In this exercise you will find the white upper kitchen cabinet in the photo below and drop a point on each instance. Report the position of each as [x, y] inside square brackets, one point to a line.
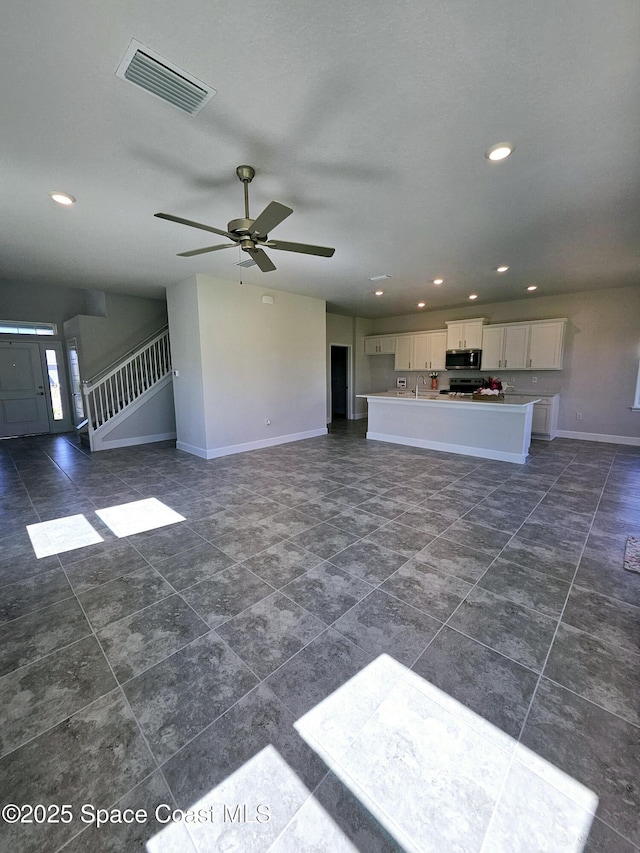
[537, 345]
[505, 346]
[404, 353]
[465, 334]
[380, 345]
[429, 350]
[546, 345]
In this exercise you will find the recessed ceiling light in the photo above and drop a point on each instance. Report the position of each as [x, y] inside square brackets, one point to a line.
[532, 287]
[379, 292]
[502, 269]
[378, 277]
[421, 304]
[438, 280]
[62, 198]
[473, 296]
[500, 151]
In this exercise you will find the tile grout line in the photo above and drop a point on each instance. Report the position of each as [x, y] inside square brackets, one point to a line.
[360, 539]
[535, 691]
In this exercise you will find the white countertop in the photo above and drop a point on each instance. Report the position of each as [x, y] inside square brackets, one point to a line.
[514, 400]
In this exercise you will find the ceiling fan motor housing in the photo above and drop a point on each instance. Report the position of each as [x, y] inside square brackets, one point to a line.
[241, 227]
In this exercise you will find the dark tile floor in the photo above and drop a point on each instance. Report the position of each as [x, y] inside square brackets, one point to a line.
[345, 646]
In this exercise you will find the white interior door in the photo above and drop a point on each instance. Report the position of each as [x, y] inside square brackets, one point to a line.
[23, 404]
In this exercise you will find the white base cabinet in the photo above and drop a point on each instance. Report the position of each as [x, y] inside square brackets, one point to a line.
[545, 417]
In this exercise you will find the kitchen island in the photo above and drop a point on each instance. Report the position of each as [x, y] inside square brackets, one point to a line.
[490, 430]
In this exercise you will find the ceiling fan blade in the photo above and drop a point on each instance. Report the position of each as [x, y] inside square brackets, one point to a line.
[208, 249]
[192, 224]
[305, 248]
[263, 260]
[273, 214]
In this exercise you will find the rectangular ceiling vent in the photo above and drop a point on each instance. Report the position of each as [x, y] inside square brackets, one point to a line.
[145, 68]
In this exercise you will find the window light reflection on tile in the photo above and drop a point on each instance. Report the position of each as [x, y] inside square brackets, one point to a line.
[62, 534]
[389, 730]
[138, 516]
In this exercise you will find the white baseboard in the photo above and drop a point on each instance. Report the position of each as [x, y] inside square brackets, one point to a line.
[594, 436]
[479, 453]
[192, 449]
[131, 442]
[229, 450]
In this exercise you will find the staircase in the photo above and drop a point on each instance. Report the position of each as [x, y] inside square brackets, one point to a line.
[125, 389]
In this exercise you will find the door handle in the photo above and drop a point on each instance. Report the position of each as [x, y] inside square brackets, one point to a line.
[40, 393]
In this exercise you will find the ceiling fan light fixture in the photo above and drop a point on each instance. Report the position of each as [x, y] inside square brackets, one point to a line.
[532, 287]
[64, 199]
[379, 292]
[473, 296]
[438, 281]
[503, 268]
[499, 151]
[421, 304]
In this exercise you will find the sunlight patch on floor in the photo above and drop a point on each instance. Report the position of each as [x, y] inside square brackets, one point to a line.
[138, 516]
[408, 761]
[62, 534]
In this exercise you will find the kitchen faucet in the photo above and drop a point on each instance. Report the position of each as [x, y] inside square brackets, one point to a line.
[418, 382]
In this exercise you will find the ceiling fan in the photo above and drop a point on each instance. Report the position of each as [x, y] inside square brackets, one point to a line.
[251, 234]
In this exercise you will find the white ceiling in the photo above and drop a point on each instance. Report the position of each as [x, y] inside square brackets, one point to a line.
[370, 119]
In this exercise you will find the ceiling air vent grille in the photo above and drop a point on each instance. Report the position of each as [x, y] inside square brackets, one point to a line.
[145, 68]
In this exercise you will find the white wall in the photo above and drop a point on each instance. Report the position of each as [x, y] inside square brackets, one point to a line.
[602, 349]
[250, 361]
[153, 420]
[39, 302]
[186, 356]
[103, 340]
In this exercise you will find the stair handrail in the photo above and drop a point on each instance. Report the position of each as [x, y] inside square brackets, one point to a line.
[89, 385]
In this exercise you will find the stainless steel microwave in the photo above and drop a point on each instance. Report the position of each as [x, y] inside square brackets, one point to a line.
[463, 359]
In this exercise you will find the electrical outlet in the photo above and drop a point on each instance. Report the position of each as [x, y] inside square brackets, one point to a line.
[534, 379]
[267, 421]
[578, 416]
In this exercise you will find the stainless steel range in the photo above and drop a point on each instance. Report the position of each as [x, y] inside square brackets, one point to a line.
[463, 387]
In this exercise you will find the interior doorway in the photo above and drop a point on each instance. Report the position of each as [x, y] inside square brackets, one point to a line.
[340, 370]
